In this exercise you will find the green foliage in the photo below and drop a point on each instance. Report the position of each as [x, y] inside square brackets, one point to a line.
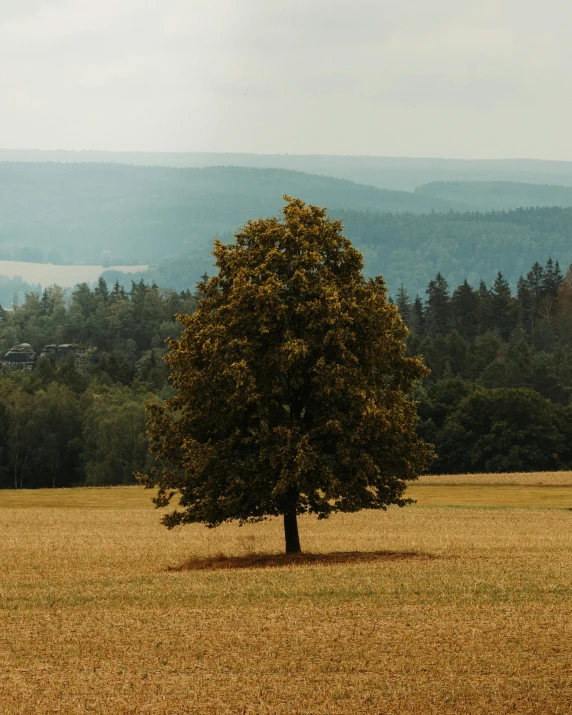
[112, 321]
[503, 430]
[410, 249]
[53, 436]
[515, 351]
[42, 436]
[473, 337]
[5, 472]
[438, 307]
[80, 418]
[115, 441]
[291, 383]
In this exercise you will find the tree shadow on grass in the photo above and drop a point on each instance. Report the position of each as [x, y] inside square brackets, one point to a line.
[261, 561]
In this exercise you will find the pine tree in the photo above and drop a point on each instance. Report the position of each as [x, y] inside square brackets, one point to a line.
[404, 305]
[535, 281]
[552, 279]
[417, 326]
[101, 290]
[523, 304]
[438, 307]
[551, 284]
[503, 309]
[118, 292]
[464, 308]
[484, 309]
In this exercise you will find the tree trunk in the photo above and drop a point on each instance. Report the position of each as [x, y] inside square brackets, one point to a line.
[291, 533]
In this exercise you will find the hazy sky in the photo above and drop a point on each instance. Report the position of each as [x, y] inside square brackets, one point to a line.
[455, 78]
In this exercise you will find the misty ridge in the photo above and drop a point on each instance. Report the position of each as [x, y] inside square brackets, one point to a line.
[111, 214]
[384, 172]
[89, 212]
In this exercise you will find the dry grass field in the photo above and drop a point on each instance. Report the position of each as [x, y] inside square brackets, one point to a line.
[557, 479]
[468, 611]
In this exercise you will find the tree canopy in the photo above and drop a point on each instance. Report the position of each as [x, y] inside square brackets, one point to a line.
[292, 384]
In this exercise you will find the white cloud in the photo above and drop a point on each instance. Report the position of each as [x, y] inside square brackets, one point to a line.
[449, 77]
[52, 23]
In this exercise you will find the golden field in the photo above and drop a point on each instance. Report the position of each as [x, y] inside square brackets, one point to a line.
[470, 610]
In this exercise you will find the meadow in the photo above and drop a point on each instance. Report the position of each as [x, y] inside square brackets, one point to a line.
[47, 274]
[466, 607]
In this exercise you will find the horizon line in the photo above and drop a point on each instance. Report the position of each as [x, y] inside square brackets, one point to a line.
[155, 152]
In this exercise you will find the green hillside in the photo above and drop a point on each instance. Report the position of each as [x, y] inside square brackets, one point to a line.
[412, 249]
[92, 212]
[497, 195]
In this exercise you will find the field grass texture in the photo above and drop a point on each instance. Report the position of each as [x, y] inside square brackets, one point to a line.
[466, 609]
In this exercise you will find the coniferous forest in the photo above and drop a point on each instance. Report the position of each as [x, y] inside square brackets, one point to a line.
[497, 398]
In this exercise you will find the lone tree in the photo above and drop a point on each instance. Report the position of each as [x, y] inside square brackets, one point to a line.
[292, 385]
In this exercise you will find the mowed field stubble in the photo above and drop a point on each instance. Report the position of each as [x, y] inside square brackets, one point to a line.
[468, 610]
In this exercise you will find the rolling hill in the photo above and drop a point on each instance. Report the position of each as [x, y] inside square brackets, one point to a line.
[122, 214]
[89, 213]
[497, 195]
[411, 249]
[397, 173]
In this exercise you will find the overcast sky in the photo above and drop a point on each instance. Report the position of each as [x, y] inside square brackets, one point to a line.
[451, 78]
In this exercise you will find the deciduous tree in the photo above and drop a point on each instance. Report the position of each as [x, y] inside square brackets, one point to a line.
[292, 385]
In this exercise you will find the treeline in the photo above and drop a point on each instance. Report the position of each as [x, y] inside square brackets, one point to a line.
[126, 329]
[62, 433]
[81, 420]
[498, 397]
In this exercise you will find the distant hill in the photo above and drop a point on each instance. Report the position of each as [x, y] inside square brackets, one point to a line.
[497, 195]
[411, 249]
[398, 173]
[120, 214]
[89, 213]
